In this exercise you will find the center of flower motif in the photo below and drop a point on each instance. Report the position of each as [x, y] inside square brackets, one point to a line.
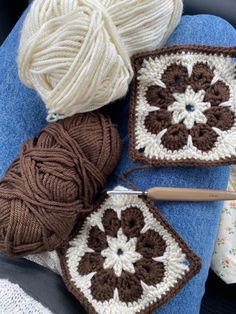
[121, 254]
[189, 107]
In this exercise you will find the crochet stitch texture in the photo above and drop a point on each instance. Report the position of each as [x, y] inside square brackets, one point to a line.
[183, 106]
[126, 258]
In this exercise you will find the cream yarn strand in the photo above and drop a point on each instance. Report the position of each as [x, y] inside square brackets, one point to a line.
[76, 53]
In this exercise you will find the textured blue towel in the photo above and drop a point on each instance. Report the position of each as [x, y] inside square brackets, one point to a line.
[22, 114]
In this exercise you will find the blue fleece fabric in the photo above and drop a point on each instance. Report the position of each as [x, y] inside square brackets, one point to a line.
[22, 114]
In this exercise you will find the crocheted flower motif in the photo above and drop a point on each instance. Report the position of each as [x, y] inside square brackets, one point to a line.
[197, 107]
[123, 257]
[183, 107]
[126, 258]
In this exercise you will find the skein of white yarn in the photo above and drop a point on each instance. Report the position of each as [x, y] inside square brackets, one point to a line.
[76, 53]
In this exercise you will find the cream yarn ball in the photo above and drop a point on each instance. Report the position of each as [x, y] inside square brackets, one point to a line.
[76, 53]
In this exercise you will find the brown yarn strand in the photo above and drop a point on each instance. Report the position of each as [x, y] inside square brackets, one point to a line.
[53, 182]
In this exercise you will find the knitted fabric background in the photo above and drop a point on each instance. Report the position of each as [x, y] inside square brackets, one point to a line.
[15, 301]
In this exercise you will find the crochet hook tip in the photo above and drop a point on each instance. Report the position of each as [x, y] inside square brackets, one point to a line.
[128, 192]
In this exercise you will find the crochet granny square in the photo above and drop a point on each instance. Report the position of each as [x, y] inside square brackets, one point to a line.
[183, 106]
[126, 258]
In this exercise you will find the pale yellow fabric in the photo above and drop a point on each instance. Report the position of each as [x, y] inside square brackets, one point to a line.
[224, 256]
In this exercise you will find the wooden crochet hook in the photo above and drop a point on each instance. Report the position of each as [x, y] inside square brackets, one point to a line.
[180, 194]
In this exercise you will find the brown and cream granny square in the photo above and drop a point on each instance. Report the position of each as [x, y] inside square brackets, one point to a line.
[126, 258]
[183, 106]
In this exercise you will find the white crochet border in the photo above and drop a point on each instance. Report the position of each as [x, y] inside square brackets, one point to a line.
[150, 74]
[174, 259]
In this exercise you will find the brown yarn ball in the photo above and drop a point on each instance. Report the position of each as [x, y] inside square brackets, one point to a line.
[54, 181]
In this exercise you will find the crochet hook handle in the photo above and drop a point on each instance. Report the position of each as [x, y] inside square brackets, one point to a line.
[182, 194]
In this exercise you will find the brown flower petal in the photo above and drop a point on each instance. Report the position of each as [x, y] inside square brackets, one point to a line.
[203, 137]
[132, 221]
[176, 78]
[176, 137]
[157, 121]
[129, 287]
[111, 222]
[89, 263]
[151, 244]
[201, 76]
[149, 271]
[159, 96]
[97, 240]
[103, 284]
[220, 117]
[217, 93]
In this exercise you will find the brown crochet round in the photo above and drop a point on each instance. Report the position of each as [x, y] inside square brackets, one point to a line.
[54, 180]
